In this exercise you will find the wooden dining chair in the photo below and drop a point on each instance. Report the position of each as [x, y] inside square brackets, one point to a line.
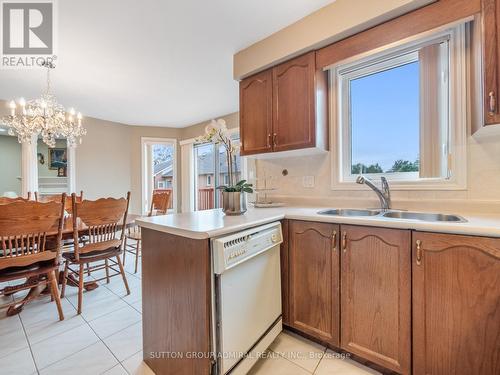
[57, 197]
[30, 245]
[160, 202]
[103, 219]
[6, 200]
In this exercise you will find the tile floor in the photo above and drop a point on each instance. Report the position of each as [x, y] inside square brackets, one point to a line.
[107, 339]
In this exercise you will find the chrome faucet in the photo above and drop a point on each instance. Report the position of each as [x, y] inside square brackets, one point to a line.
[384, 195]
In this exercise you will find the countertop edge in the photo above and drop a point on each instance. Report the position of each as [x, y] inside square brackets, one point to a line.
[475, 226]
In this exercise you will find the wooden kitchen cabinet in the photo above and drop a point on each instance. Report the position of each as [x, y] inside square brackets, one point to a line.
[314, 279]
[376, 295]
[456, 304]
[491, 60]
[294, 98]
[256, 128]
[284, 108]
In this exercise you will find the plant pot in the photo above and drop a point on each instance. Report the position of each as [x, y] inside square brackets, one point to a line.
[234, 203]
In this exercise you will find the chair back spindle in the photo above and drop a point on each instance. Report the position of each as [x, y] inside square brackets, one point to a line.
[103, 218]
[24, 229]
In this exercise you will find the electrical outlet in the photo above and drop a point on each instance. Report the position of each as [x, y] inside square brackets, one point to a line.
[308, 181]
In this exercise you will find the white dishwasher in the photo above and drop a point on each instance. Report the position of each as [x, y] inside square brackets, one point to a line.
[246, 305]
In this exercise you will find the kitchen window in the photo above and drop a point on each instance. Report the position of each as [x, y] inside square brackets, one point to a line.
[400, 113]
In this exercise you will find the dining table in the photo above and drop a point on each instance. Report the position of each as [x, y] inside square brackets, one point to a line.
[67, 234]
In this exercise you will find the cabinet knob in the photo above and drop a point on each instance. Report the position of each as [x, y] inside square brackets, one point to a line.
[419, 253]
[344, 241]
[492, 103]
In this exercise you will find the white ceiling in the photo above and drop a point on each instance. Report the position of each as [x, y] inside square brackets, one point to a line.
[153, 62]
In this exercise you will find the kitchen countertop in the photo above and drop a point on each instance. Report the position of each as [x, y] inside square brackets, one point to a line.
[214, 223]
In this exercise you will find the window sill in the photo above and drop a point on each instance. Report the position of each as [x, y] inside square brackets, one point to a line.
[403, 185]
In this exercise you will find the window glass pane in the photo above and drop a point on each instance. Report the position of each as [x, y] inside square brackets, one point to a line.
[205, 172]
[163, 159]
[385, 120]
[10, 167]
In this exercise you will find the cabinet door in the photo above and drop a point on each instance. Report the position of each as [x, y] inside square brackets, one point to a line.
[491, 60]
[284, 273]
[294, 103]
[314, 279]
[375, 295]
[256, 113]
[456, 305]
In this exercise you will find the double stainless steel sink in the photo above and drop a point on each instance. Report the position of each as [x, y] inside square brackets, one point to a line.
[394, 214]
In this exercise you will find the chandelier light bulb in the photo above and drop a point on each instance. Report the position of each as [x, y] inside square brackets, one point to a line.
[79, 116]
[72, 111]
[22, 102]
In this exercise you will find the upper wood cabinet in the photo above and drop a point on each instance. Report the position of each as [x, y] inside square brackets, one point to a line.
[376, 295]
[314, 279]
[491, 60]
[293, 102]
[284, 108]
[256, 116]
[456, 304]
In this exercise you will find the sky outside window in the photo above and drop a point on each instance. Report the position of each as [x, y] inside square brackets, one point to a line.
[385, 120]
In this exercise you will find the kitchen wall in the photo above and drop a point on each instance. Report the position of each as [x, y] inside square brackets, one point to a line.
[10, 164]
[329, 24]
[482, 193]
[193, 131]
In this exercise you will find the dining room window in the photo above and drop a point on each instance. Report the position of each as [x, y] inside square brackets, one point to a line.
[210, 169]
[159, 169]
[399, 113]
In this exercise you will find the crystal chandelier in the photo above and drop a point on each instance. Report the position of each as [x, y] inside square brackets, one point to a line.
[45, 117]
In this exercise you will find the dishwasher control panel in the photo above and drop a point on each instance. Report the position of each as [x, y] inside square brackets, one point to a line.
[231, 250]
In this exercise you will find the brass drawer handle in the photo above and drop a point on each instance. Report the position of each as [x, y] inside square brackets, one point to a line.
[419, 252]
[334, 240]
[344, 242]
[275, 143]
[269, 140]
[492, 102]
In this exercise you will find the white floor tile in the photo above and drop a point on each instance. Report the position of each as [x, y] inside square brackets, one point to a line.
[92, 360]
[336, 364]
[274, 364]
[136, 366]
[113, 322]
[117, 286]
[18, 363]
[58, 347]
[12, 335]
[134, 296]
[42, 321]
[98, 302]
[117, 370]
[298, 350]
[137, 306]
[125, 343]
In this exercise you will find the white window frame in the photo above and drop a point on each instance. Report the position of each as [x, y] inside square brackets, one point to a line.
[147, 180]
[457, 114]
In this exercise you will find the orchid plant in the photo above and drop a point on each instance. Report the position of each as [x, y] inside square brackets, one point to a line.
[216, 132]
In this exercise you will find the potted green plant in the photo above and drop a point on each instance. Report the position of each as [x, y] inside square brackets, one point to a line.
[234, 194]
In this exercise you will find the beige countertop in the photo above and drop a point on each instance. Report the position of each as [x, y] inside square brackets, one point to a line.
[214, 223]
